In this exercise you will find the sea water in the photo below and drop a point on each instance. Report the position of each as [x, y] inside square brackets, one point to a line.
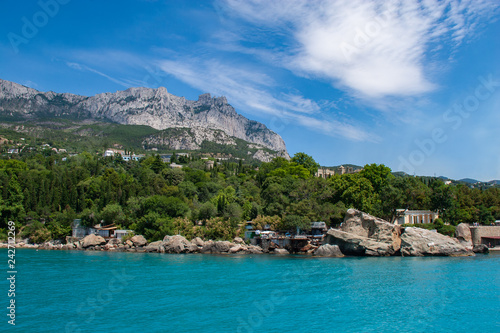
[75, 291]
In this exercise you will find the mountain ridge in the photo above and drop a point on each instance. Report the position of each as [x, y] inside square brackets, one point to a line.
[156, 108]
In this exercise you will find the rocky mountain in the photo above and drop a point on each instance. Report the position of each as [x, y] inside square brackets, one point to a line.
[156, 108]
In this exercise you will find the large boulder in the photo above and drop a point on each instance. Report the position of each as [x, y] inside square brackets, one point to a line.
[238, 240]
[365, 235]
[281, 251]
[138, 240]
[254, 249]
[377, 229]
[154, 247]
[328, 250]
[422, 242]
[236, 248]
[92, 240]
[114, 241]
[198, 241]
[217, 247]
[464, 236]
[176, 244]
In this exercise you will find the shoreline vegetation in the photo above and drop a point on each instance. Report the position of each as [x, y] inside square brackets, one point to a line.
[44, 194]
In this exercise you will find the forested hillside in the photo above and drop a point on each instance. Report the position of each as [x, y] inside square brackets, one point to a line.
[43, 194]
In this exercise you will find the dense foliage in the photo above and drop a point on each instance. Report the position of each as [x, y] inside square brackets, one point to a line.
[44, 194]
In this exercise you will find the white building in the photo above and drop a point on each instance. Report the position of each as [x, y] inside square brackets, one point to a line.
[415, 216]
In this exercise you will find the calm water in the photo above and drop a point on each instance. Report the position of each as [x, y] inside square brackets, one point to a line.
[59, 291]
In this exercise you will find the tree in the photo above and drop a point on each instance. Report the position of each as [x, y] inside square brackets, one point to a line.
[306, 161]
[164, 206]
[378, 174]
[112, 213]
[12, 207]
[354, 191]
[207, 211]
[292, 222]
[173, 176]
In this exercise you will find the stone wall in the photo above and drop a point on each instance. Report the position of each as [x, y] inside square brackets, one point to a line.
[483, 231]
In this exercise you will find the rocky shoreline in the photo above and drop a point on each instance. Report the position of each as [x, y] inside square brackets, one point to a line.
[359, 235]
[175, 244]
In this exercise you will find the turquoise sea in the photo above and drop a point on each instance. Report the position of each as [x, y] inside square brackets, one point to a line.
[70, 291]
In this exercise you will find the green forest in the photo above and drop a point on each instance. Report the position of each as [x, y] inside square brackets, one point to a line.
[43, 194]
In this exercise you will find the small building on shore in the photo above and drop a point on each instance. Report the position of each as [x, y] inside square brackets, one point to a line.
[249, 230]
[120, 233]
[318, 228]
[80, 231]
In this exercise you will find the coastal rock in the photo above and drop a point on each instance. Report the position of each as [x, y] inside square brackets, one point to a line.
[92, 240]
[109, 247]
[154, 246]
[254, 249]
[198, 241]
[365, 235]
[236, 248]
[69, 246]
[366, 225]
[464, 236]
[129, 243]
[421, 242]
[328, 250]
[176, 244]
[238, 240]
[223, 246]
[352, 244]
[481, 248]
[207, 247]
[217, 247]
[114, 241]
[138, 240]
[281, 251]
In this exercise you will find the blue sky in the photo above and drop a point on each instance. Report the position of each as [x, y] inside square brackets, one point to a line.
[414, 85]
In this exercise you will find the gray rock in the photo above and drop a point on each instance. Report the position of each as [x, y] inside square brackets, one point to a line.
[198, 242]
[328, 250]
[364, 235]
[238, 240]
[217, 247]
[236, 248]
[481, 248]
[114, 241]
[92, 240]
[421, 242]
[222, 246]
[281, 251]
[254, 249]
[176, 244]
[138, 240]
[69, 246]
[154, 246]
[464, 236]
[366, 225]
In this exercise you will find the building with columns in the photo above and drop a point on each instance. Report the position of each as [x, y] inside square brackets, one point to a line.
[415, 216]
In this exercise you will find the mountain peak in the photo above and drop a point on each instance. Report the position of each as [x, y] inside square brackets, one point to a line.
[156, 108]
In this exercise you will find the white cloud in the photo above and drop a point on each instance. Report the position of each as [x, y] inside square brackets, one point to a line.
[371, 48]
[122, 82]
[249, 90]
